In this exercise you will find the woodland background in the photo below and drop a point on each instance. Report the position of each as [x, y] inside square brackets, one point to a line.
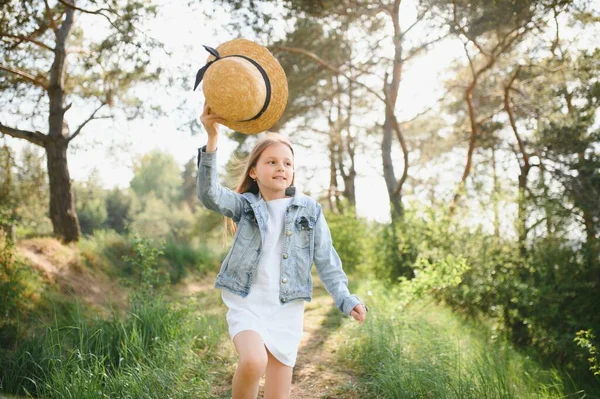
[493, 189]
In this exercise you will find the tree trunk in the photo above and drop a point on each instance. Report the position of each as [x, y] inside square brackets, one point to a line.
[388, 169]
[391, 96]
[495, 196]
[62, 206]
[521, 212]
[333, 187]
[349, 147]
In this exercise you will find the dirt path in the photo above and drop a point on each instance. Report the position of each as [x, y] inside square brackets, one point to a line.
[317, 374]
[60, 265]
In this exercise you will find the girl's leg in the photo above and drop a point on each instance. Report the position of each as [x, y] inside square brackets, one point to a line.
[251, 365]
[278, 381]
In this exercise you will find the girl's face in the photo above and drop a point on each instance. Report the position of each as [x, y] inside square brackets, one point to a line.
[274, 171]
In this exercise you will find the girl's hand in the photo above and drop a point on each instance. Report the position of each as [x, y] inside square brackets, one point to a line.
[210, 122]
[359, 313]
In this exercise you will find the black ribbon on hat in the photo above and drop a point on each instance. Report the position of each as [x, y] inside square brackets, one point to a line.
[215, 53]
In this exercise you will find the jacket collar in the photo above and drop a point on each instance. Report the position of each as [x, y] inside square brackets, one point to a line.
[256, 200]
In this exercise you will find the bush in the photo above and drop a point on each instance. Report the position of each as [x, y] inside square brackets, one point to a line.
[181, 257]
[349, 235]
[107, 249]
[18, 294]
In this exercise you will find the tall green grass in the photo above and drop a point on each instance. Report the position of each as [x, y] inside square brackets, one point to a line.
[154, 350]
[427, 351]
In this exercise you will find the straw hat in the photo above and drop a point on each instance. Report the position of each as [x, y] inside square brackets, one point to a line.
[244, 84]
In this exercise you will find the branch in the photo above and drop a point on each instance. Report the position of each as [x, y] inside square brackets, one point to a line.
[91, 117]
[50, 15]
[93, 12]
[424, 46]
[30, 40]
[37, 138]
[28, 77]
[511, 116]
[419, 19]
[417, 116]
[325, 64]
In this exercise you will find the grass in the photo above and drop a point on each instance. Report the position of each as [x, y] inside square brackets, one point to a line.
[427, 351]
[154, 349]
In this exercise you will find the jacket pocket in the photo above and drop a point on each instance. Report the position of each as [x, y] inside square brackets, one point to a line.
[247, 227]
[304, 231]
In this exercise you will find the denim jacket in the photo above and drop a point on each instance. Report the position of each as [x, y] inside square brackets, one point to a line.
[307, 240]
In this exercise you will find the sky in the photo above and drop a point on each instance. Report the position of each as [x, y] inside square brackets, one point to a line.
[100, 147]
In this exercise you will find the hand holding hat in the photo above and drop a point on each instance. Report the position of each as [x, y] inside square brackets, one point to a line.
[245, 85]
[210, 120]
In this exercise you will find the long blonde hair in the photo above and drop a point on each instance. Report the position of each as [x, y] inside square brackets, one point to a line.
[244, 182]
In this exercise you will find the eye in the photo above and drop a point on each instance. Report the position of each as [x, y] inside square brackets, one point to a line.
[271, 162]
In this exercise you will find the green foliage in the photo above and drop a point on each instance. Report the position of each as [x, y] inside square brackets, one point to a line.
[121, 206]
[350, 238]
[158, 220]
[484, 16]
[182, 257]
[587, 340]
[394, 253]
[427, 351]
[24, 190]
[159, 174]
[15, 293]
[154, 350]
[540, 300]
[90, 204]
[397, 247]
[152, 281]
[116, 255]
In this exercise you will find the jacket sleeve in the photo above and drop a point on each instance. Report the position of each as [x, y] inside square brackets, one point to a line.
[329, 267]
[212, 194]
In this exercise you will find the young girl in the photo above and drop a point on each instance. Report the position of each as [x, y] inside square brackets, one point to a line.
[266, 276]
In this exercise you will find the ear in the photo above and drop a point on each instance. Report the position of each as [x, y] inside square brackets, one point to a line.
[252, 173]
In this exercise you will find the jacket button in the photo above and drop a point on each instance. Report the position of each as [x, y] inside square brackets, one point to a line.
[285, 256]
[288, 233]
[284, 280]
[283, 300]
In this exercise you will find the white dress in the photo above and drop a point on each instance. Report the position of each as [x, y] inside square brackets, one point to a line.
[279, 324]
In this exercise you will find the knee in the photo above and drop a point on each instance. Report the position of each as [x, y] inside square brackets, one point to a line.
[253, 366]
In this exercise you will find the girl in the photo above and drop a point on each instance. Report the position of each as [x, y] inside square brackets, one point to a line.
[266, 276]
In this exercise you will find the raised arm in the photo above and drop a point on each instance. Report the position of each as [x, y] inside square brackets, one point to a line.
[212, 194]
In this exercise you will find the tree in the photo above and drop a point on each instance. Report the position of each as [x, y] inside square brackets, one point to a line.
[24, 190]
[53, 65]
[489, 29]
[121, 206]
[90, 203]
[376, 25]
[157, 173]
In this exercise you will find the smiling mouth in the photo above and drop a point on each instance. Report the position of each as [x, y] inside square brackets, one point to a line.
[279, 178]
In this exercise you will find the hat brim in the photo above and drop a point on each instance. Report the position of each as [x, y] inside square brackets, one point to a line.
[277, 78]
